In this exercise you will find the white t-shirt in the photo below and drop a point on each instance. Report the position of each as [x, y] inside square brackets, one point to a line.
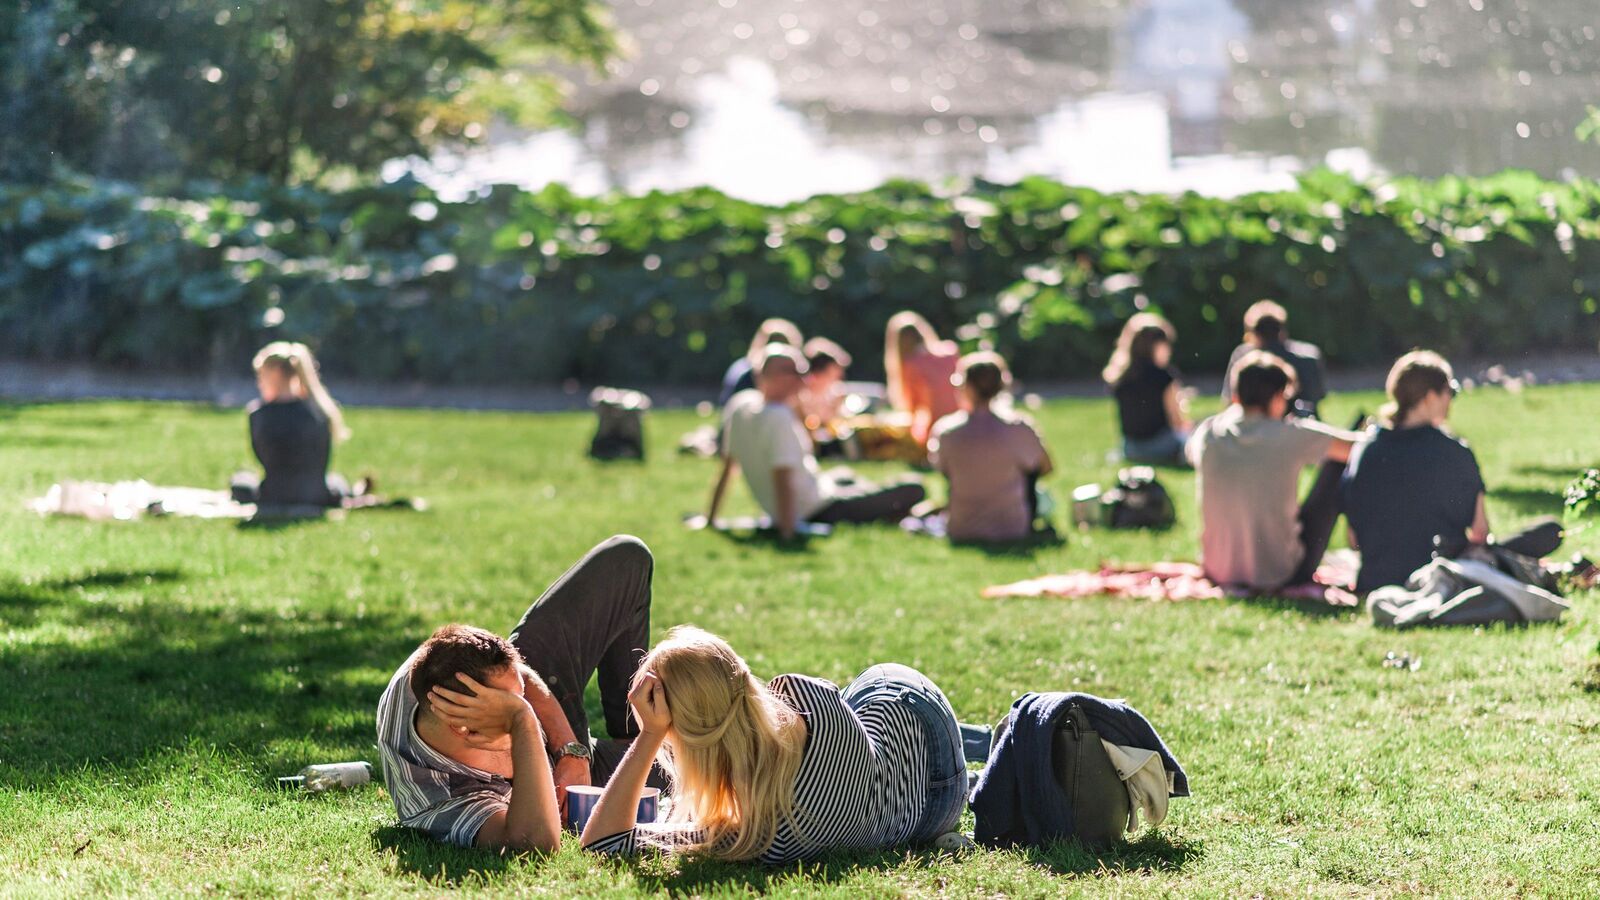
[1248, 476]
[762, 436]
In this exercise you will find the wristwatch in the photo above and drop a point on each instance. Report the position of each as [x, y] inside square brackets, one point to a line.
[574, 748]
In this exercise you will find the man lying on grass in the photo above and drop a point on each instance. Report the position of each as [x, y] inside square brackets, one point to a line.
[481, 736]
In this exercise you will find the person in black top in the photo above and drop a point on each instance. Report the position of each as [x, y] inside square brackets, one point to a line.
[1150, 404]
[292, 430]
[1413, 490]
[1266, 327]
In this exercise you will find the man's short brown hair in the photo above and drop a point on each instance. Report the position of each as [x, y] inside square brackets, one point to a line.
[459, 648]
[1258, 377]
[822, 353]
[985, 372]
[1267, 320]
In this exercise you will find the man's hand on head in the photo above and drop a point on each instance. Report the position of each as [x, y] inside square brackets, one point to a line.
[484, 717]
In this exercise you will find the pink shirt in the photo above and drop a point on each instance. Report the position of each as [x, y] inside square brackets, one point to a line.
[988, 460]
[926, 376]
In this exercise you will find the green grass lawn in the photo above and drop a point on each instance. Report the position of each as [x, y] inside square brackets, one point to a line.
[156, 676]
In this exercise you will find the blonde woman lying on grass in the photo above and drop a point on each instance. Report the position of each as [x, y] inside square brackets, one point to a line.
[783, 770]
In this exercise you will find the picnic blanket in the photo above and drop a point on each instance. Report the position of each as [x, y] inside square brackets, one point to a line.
[125, 501]
[1171, 581]
[128, 500]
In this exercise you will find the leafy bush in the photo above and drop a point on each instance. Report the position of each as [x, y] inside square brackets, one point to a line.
[1583, 495]
[515, 286]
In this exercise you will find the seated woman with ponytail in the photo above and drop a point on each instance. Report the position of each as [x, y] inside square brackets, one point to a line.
[292, 430]
[783, 770]
[1413, 489]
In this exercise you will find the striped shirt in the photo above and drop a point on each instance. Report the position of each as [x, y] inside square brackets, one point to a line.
[432, 792]
[862, 784]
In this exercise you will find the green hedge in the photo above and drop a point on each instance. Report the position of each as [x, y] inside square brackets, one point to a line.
[514, 286]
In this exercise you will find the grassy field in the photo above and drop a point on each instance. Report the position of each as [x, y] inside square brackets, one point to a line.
[155, 676]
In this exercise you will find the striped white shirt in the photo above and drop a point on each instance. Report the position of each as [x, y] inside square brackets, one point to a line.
[862, 784]
[432, 792]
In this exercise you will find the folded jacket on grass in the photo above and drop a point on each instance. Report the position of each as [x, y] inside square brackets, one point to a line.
[1018, 799]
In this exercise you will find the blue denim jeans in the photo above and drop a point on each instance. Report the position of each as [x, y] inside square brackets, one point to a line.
[1165, 447]
[947, 766]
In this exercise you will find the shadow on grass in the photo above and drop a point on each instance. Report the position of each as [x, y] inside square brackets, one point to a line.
[441, 865]
[770, 540]
[1301, 605]
[1026, 548]
[1530, 501]
[121, 672]
[1563, 474]
[22, 603]
[1151, 852]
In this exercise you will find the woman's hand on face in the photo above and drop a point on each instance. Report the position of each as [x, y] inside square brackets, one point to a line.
[484, 717]
[649, 701]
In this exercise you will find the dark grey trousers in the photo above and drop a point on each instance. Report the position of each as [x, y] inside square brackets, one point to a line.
[866, 502]
[594, 620]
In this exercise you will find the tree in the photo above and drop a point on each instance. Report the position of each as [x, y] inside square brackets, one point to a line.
[287, 89]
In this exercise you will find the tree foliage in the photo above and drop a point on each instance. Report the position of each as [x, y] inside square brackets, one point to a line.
[276, 88]
[515, 286]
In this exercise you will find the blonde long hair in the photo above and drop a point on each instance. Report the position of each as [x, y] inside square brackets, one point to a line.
[906, 333]
[734, 747]
[295, 360]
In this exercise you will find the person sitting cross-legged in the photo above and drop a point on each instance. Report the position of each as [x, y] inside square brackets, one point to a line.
[1247, 461]
[763, 437]
[1414, 491]
[991, 456]
[480, 735]
[1151, 405]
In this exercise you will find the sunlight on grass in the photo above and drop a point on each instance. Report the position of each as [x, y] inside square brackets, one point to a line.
[160, 674]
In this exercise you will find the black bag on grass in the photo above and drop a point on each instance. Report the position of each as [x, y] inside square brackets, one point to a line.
[1138, 501]
[619, 433]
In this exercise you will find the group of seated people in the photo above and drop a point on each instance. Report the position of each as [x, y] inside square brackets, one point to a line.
[482, 736]
[1408, 488]
[1152, 403]
[959, 415]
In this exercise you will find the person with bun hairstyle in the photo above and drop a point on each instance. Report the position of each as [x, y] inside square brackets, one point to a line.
[293, 427]
[1413, 490]
[1150, 404]
[782, 770]
[992, 457]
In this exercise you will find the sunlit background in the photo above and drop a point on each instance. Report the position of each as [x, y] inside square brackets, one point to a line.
[773, 100]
